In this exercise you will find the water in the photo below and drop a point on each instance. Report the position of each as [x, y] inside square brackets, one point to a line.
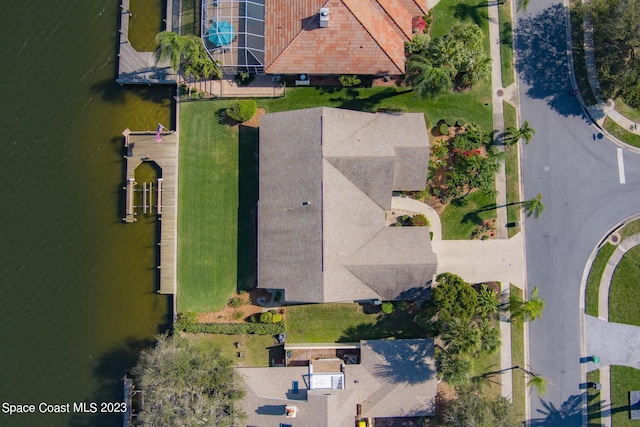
[78, 285]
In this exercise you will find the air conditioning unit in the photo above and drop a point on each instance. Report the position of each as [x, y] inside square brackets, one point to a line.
[324, 17]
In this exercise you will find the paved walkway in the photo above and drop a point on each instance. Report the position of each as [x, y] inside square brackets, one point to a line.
[614, 343]
[260, 87]
[407, 204]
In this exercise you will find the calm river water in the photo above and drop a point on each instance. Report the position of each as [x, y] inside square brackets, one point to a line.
[77, 285]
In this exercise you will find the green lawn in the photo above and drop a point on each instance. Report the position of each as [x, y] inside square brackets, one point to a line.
[489, 363]
[627, 111]
[190, 17]
[512, 166]
[460, 218]
[346, 323]
[506, 43]
[517, 359]
[144, 23]
[254, 347]
[216, 162]
[625, 292]
[595, 275]
[630, 229]
[593, 400]
[579, 65]
[621, 133]
[623, 380]
[450, 12]
[469, 105]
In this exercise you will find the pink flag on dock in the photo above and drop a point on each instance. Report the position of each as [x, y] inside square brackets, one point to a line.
[159, 133]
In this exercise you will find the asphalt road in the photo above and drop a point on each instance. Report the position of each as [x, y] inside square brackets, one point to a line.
[579, 179]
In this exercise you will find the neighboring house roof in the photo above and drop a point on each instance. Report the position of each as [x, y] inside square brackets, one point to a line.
[363, 36]
[326, 181]
[396, 378]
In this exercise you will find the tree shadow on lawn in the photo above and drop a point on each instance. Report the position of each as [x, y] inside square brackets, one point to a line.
[351, 99]
[543, 61]
[476, 12]
[400, 324]
[247, 207]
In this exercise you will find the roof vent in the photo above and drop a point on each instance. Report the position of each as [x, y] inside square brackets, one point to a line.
[324, 17]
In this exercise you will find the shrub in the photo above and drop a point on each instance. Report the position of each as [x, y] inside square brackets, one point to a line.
[236, 328]
[185, 319]
[241, 111]
[401, 305]
[278, 296]
[420, 220]
[237, 315]
[387, 307]
[459, 122]
[443, 128]
[270, 316]
[236, 302]
[243, 78]
[349, 80]
[418, 43]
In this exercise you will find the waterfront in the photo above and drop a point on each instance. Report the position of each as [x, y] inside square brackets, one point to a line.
[78, 285]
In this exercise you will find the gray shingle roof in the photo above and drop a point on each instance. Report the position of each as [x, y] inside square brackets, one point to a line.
[396, 378]
[326, 179]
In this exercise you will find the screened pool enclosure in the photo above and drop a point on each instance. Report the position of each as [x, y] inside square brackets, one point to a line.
[233, 34]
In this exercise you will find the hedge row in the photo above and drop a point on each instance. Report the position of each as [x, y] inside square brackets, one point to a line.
[235, 328]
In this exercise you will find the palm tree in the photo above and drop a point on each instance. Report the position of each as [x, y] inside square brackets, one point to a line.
[512, 134]
[488, 301]
[490, 337]
[533, 206]
[453, 369]
[538, 382]
[427, 80]
[170, 46]
[462, 337]
[527, 310]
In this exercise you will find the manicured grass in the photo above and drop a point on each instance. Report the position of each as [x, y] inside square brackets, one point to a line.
[630, 229]
[346, 323]
[595, 275]
[474, 106]
[517, 359]
[624, 293]
[461, 217]
[450, 12]
[621, 133]
[506, 43]
[627, 111]
[593, 400]
[144, 23]
[190, 17]
[489, 363]
[512, 165]
[623, 380]
[208, 209]
[579, 65]
[254, 347]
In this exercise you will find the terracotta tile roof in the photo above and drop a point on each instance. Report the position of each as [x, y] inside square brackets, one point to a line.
[363, 36]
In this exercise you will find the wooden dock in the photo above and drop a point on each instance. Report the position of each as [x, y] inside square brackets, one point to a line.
[140, 67]
[142, 147]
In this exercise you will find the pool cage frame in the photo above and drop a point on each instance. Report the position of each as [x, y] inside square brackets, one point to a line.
[246, 50]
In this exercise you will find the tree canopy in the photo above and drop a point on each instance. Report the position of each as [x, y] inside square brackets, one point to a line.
[471, 409]
[187, 385]
[455, 60]
[617, 44]
[454, 298]
[186, 53]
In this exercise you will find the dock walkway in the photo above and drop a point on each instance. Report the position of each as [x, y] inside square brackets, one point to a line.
[142, 147]
[139, 67]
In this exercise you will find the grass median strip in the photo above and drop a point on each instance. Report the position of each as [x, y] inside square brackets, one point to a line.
[506, 43]
[517, 359]
[593, 400]
[621, 133]
[512, 166]
[595, 275]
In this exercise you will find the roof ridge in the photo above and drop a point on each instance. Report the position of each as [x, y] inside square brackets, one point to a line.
[375, 39]
[296, 37]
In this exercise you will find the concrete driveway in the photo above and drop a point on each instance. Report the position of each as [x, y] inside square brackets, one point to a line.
[482, 260]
